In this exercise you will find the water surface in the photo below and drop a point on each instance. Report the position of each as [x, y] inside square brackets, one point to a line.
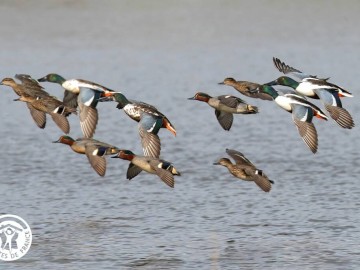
[162, 53]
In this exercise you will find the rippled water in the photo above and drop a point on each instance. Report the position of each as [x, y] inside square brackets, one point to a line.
[162, 52]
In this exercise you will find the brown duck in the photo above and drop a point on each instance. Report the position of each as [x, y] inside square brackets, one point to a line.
[248, 89]
[39, 107]
[245, 170]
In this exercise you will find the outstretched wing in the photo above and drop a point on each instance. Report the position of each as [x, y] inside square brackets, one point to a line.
[341, 116]
[263, 182]
[230, 101]
[239, 158]
[165, 175]
[150, 143]
[88, 120]
[132, 171]
[225, 119]
[308, 133]
[38, 116]
[61, 121]
[31, 86]
[70, 99]
[96, 159]
[286, 69]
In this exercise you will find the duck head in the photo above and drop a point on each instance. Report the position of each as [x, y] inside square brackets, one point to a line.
[125, 154]
[118, 97]
[223, 162]
[285, 81]
[265, 88]
[201, 97]
[52, 77]
[65, 140]
[228, 81]
[8, 81]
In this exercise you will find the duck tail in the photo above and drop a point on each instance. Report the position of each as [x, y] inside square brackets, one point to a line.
[344, 93]
[319, 114]
[252, 109]
[175, 172]
[64, 110]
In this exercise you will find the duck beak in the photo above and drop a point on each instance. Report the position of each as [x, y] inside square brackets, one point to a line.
[216, 163]
[271, 83]
[116, 156]
[56, 141]
[171, 129]
[221, 83]
[43, 79]
[191, 98]
[17, 99]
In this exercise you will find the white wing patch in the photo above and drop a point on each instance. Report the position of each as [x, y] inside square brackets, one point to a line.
[305, 117]
[88, 103]
[333, 101]
[152, 128]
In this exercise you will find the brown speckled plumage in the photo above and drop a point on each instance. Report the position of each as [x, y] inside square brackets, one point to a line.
[245, 170]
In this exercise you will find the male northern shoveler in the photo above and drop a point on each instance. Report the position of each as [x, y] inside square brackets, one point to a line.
[70, 98]
[245, 170]
[313, 87]
[225, 106]
[93, 149]
[88, 95]
[302, 113]
[150, 121]
[164, 169]
[246, 88]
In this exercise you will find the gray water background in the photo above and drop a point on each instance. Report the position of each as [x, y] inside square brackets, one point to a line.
[162, 52]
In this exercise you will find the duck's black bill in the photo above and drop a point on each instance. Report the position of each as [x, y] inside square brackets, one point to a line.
[43, 79]
[221, 83]
[272, 83]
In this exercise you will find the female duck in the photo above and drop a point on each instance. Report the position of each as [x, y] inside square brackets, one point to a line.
[246, 88]
[28, 86]
[225, 106]
[39, 107]
[164, 169]
[93, 149]
[39, 102]
[245, 170]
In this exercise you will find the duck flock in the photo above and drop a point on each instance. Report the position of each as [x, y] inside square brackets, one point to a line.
[81, 97]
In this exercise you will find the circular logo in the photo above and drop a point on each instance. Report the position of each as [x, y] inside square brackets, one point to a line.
[15, 237]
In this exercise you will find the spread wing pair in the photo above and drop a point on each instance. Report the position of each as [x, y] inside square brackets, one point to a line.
[250, 170]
